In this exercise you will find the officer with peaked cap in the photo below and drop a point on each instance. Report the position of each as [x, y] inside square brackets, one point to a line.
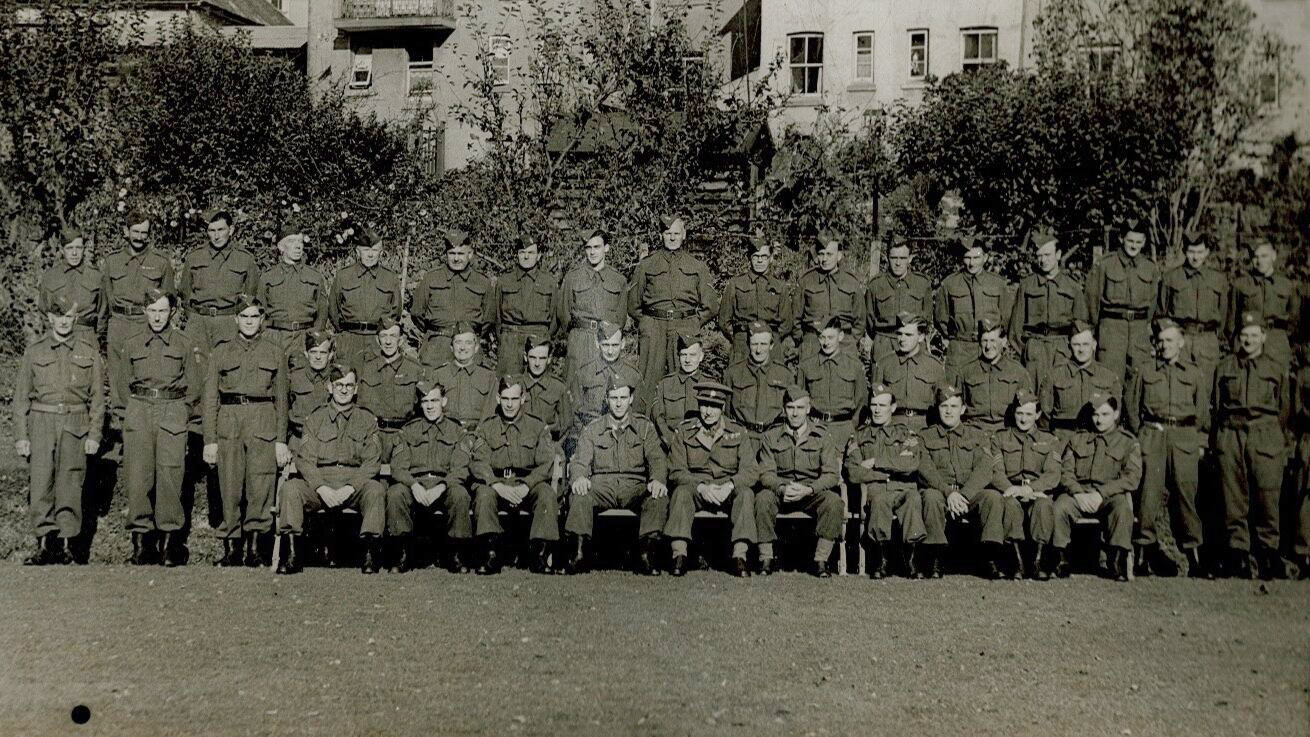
[452, 293]
[964, 298]
[591, 292]
[755, 295]
[1122, 291]
[1045, 307]
[362, 294]
[1027, 474]
[884, 456]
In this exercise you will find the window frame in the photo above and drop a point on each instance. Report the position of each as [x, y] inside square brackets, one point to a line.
[499, 48]
[422, 67]
[1101, 58]
[976, 63]
[873, 45]
[1272, 71]
[807, 65]
[927, 53]
[361, 60]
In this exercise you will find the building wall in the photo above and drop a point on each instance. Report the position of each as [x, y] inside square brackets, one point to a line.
[1291, 20]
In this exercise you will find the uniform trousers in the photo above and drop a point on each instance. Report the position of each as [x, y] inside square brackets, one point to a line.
[885, 499]
[987, 505]
[370, 501]
[509, 347]
[57, 469]
[617, 491]
[454, 502]
[1251, 459]
[1171, 460]
[437, 348]
[960, 352]
[1028, 519]
[1121, 343]
[1041, 352]
[657, 348]
[292, 343]
[1117, 511]
[541, 501]
[685, 502]
[354, 348]
[824, 506]
[247, 467]
[154, 450]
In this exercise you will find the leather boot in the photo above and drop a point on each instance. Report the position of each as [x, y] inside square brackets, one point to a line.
[818, 569]
[79, 549]
[648, 556]
[741, 569]
[539, 557]
[877, 559]
[403, 559]
[1063, 569]
[58, 554]
[492, 563]
[1239, 564]
[767, 567]
[1141, 561]
[250, 542]
[40, 554]
[678, 566]
[1271, 565]
[1116, 563]
[1014, 568]
[174, 552]
[231, 552]
[576, 558]
[155, 546]
[913, 560]
[1041, 564]
[990, 570]
[372, 554]
[290, 562]
[140, 553]
[935, 561]
[455, 557]
[1162, 564]
[1196, 568]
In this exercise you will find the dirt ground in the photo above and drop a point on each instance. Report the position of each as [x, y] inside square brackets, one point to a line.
[208, 651]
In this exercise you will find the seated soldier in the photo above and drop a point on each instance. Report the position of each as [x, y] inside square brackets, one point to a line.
[338, 466]
[954, 472]
[387, 377]
[618, 464]
[675, 394]
[470, 385]
[511, 455]
[712, 465]
[800, 472]
[429, 465]
[884, 456]
[1100, 468]
[1027, 463]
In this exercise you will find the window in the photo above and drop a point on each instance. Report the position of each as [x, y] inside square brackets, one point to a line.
[979, 48]
[745, 29]
[1267, 84]
[498, 48]
[419, 74]
[864, 57]
[806, 63]
[693, 73]
[918, 55]
[361, 68]
[1101, 59]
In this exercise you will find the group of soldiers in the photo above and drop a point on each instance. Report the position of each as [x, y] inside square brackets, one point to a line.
[1056, 400]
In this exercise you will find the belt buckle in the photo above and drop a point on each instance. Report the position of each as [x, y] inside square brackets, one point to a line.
[507, 473]
[911, 412]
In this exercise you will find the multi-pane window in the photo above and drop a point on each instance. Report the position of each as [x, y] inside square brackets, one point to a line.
[918, 54]
[1267, 84]
[419, 74]
[979, 48]
[864, 57]
[361, 68]
[805, 59]
[498, 48]
[1101, 59]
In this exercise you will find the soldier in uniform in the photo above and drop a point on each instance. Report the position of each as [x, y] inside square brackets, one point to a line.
[128, 273]
[675, 395]
[825, 292]
[836, 382]
[1064, 390]
[1252, 398]
[1027, 462]
[76, 278]
[884, 457]
[59, 410]
[1264, 291]
[450, 294]
[896, 290]
[1122, 291]
[157, 375]
[522, 302]
[1195, 296]
[954, 472]
[212, 277]
[587, 385]
[510, 461]
[1100, 467]
[362, 294]
[338, 468]
[429, 465]
[1045, 307]
[592, 292]
[294, 294]
[470, 384]
[245, 430]
[990, 383]
[1168, 408]
[758, 384]
[912, 373]
[754, 295]
[308, 384]
[388, 379]
[545, 396]
[712, 465]
[966, 297]
[671, 294]
[619, 464]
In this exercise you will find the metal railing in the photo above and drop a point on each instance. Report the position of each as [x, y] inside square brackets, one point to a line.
[361, 9]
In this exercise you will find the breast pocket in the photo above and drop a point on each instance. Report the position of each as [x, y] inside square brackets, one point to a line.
[1117, 290]
[267, 373]
[82, 368]
[989, 301]
[961, 301]
[1034, 303]
[153, 275]
[1155, 390]
[229, 372]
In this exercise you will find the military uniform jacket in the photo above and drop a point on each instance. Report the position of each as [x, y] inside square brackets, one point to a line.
[546, 397]
[1030, 458]
[588, 389]
[1046, 305]
[724, 453]
[128, 274]
[340, 438]
[630, 448]
[757, 392]
[590, 295]
[293, 294]
[167, 361]
[819, 296]
[361, 295]
[61, 372]
[1276, 297]
[896, 450]
[212, 278]
[525, 297]
[389, 389]
[1119, 282]
[1251, 387]
[812, 460]
[432, 448]
[989, 388]
[250, 368]
[470, 391]
[446, 297]
[675, 401]
[310, 390]
[1108, 463]
[749, 297]
[81, 284]
[1195, 298]
[888, 296]
[1064, 389]
[955, 459]
[963, 299]
[672, 280]
[913, 378]
[518, 450]
[836, 382]
[1164, 392]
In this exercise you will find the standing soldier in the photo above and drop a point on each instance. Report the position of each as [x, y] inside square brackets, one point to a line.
[510, 460]
[1252, 404]
[884, 457]
[911, 373]
[158, 375]
[675, 395]
[1263, 291]
[212, 277]
[245, 430]
[1100, 467]
[78, 281]
[308, 384]
[1064, 390]
[388, 379]
[545, 396]
[587, 385]
[712, 465]
[362, 294]
[1168, 407]
[824, 293]
[470, 385]
[758, 384]
[990, 383]
[619, 464]
[1195, 297]
[892, 292]
[592, 292]
[59, 409]
[294, 294]
[1027, 473]
[955, 469]
[450, 294]
[752, 296]
[128, 273]
[835, 380]
[1048, 302]
[671, 293]
[522, 302]
[429, 465]
[966, 297]
[1122, 291]
[338, 466]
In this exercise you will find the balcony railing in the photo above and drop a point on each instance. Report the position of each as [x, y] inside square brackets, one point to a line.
[384, 14]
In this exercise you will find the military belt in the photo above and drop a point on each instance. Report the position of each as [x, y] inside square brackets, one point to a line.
[392, 423]
[759, 426]
[359, 327]
[1125, 313]
[62, 408]
[832, 416]
[583, 323]
[148, 392]
[128, 311]
[816, 327]
[87, 321]
[513, 472]
[1278, 323]
[294, 427]
[530, 328]
[229, 398]
[1047, 329]
[1246, 418]
[291, 324]
[743, 325]
[669, 314]
[212, 311]
[909, 412]
[1171, 421]
[440, 330]
[1064, 423]
[1196, 326]
[889, 329]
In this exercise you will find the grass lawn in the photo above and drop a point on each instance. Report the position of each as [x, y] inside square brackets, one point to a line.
[207, 651]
